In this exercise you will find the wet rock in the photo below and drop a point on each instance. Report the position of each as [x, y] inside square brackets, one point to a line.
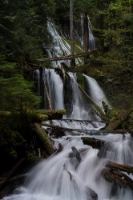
[91, 194]
[76, 153]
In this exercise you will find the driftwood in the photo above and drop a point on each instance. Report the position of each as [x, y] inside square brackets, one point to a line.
[43, 138]
[117, 177]
[124, 168]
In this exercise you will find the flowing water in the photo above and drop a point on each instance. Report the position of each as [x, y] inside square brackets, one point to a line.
[64, 177]
[95, 91]
[68, 175]
[55, 89]
[78, 109]
[59, 46]
[92, 43]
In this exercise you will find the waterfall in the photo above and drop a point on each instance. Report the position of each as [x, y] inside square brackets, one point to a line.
[76, 173]
[55, 89]
[92, 43]
[95, 91]
[63, 176]
[79, 111]
[59, 46]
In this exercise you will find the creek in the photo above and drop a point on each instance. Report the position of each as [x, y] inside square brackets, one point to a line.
[69, 175]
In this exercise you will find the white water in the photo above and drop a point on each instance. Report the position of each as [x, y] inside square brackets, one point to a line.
[92, 43]
[59, 46]
[62, 177]
[55, 89]
[78, 109]
[96, 92]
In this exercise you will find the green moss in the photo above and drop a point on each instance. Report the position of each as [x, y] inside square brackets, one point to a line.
[51, 114]
[30, 158]
[80, 80]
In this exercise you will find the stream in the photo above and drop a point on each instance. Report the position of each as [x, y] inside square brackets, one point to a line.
[66, 176]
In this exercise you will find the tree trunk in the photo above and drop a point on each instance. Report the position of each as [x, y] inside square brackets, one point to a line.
[72, 32]
[124, 168]
[93, 142]
[117, 177]
[43, 138]
[85, 35]
[85, 32]
[48, 97]
[95, 105]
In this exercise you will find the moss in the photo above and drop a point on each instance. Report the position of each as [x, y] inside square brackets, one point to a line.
[80, 80]
[52, 114]
[43, 138]
[30, 158]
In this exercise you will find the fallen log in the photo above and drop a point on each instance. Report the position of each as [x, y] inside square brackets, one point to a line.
[117, 166]
[43, 138]
[93, 142]
[68, 57]
[70, 129]
[117, 177]
[94, 103]
[60, 130]
[47, 95]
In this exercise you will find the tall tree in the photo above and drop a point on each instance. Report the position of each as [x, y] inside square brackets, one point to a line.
[72, 32]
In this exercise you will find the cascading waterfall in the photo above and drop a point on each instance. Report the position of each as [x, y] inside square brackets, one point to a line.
[92, 43]
[96, 91]
[78, 105]
[80, 110]
[55, 89]
[64, 176]
[59, 46]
